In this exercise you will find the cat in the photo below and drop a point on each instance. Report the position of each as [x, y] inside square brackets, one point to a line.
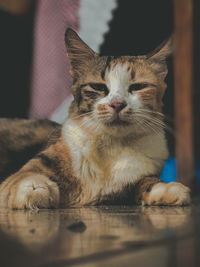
[111, 148]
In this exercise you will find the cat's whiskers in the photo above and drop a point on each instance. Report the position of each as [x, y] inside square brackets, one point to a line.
[141, 125]
[150, 111]
[154, 122]
[151, 120]
[146, 127]
[87, 123]
[156, 113]
[82, 115]
[150, 115]
[148, 123]
[91, 123]
[154, 128]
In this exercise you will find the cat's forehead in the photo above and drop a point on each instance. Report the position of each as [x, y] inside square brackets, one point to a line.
[127, 68]
[113, 61]
[110, 68]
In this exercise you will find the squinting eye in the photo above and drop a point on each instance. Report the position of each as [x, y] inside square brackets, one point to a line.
[137, 86]
[99, 86]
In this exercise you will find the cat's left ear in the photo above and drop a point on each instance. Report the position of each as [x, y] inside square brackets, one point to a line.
[157, 58]
[79, 53]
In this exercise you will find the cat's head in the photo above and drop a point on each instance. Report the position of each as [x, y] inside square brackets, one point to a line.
[118, 95]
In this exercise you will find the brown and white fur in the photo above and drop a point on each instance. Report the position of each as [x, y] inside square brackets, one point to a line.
[112, 146]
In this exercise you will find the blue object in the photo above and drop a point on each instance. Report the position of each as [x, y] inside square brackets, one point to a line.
[169, 171]
[197, 173]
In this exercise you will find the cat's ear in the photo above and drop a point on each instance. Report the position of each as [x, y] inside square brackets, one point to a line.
[157, 58]
[78, 52]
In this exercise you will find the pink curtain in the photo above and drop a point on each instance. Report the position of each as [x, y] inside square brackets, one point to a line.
[51, 83]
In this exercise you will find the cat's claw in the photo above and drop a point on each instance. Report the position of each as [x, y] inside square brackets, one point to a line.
[173, 194]
[36, 192]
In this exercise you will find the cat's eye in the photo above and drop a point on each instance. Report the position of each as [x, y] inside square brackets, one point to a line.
[91, 94]
[137, 86]
[99, 87]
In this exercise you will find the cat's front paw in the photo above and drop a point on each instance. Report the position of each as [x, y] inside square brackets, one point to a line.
[175, 194]
[35, 192]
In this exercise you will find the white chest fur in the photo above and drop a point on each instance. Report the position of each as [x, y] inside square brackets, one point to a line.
[106, 169]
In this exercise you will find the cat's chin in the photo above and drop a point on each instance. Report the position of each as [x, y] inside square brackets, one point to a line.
[122, 129]
[118, 123]
[118, 128]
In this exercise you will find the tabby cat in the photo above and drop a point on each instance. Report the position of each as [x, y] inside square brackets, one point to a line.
[110, 149]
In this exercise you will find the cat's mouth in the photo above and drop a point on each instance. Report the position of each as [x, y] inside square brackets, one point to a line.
[117, 122]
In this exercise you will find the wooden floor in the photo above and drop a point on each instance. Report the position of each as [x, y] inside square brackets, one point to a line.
[103, 236]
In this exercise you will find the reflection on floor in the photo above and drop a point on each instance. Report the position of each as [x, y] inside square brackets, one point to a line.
[101, 236]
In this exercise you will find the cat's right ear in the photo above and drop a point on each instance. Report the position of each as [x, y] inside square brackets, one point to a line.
[78, 52]
[157, 58]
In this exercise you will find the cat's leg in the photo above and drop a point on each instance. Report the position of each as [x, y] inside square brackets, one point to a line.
[28, 190]
[153, 191]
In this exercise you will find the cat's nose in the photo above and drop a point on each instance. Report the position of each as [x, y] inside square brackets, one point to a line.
[118, 105]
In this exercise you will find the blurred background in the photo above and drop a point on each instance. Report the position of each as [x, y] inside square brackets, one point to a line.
[35, 82]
